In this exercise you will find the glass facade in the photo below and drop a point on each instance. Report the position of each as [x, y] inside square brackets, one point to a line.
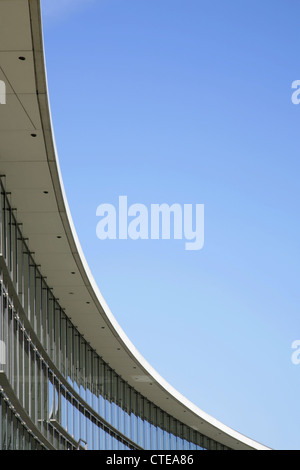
[69, 397]
[14, 433]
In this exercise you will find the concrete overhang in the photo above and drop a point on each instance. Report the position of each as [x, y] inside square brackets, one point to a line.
[29, 161]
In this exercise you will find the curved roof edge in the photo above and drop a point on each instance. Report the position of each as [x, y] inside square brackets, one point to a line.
[160, 390]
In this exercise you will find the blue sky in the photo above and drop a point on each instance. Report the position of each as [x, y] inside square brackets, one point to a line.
[172, 101]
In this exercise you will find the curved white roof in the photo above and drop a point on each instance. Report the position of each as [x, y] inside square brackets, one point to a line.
[29, 161]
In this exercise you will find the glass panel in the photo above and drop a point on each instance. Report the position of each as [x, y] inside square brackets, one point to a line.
[82, 390]
[173, 432]
[102, 439]
[26, 282]
[38, 305]
[76, 421]
[8, 236]
[27, 374]
[76, 348]
[89, 433]
[63, 408]
[14, 250]
[95, 382]
[154, 428]
[114, 411]
[21, 365]
[133, 415]
[121, 417]
[4, 426]
[57, 329]
[101, 389]
[10, 343]
[107, 393]
[179, 436]
[9, 430]
[16, 357]
[82, 424]
[95, 436]
[160, 424]
[15, 433]
[20, 288]
[147, 412]
[141, 422]
[89, 375]
[70, 352]
[32, 296]
[44, 315]
[70, 415]
[39, 392]
[63, 347]
[50, 325]
[45, 398]
[186, 437]
[166, 432]
[127, 402]
[4, 224]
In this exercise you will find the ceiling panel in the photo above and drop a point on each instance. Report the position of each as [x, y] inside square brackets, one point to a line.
[20, 146]
[13, 115]
[35, 178]
[17, 70]
[15, 30]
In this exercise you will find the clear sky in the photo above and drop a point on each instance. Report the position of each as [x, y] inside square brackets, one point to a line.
[189, 101]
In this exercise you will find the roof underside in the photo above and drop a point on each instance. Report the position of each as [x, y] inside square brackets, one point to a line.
[30, 166]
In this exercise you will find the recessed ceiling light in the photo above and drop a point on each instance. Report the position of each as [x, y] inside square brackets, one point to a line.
[46, 192]
[22, 58]
[33, 135]
[58, 236]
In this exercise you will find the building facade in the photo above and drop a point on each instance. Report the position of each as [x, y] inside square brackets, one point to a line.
[69, 377]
